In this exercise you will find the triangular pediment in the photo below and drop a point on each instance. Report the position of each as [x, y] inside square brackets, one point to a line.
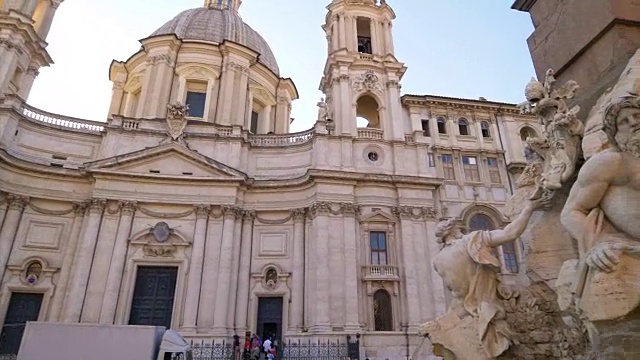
[167, 160]
[377, 216]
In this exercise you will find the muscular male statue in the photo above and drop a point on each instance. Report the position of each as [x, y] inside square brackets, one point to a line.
[468, 268]
[603, 209]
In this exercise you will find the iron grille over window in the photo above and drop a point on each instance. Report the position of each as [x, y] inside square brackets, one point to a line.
[378, 241]
[470, 165]
[382, 311]
[480, 222]
[364, 45]
[447, 165]
[510, 257]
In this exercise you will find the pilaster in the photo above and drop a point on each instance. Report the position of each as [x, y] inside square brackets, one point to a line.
[15, 207]
[319, 248]
[194, 279]
[235, 269]
[219, 328]
[242, 307]
[296, 322]
[118, 259]
[83, 260]
[209, 276]
[408, 270]
[351, 276]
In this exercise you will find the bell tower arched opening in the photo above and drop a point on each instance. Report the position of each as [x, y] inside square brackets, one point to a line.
[363, 28]
[367, 108]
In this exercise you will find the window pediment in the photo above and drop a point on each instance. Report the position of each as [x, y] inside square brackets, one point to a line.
[377, 216]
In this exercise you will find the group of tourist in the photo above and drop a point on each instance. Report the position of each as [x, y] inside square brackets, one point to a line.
[257, 349]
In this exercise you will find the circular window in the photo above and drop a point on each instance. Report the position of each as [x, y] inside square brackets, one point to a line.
[373, 156]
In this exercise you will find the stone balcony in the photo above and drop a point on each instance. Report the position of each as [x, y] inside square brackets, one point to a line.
[380, 272]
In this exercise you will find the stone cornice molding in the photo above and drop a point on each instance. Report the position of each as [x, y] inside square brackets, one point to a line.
[464, 104]
[404, 212]
[17, 202]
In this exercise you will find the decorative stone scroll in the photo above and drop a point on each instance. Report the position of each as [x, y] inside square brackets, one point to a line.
[415, 213]
[367, 82]
[559, 145]
[333, 208]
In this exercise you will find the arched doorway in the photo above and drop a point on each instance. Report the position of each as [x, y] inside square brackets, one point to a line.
[382, 311]
[367, 109]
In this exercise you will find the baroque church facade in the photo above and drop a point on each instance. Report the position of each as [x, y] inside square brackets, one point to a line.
[214, 219]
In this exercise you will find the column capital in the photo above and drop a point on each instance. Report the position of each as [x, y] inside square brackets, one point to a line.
[231, 211]
[298, 214]
[80, 208]
[202, 211]
[128, 207]
[96, 206]
[17, 202]
[248, 215]
[349, 209]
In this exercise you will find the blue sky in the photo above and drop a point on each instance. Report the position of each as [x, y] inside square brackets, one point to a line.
[459, 48]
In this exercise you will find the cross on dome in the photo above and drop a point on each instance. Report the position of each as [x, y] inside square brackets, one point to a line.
[223, 4]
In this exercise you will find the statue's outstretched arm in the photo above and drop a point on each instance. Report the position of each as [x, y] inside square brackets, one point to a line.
[513, 231]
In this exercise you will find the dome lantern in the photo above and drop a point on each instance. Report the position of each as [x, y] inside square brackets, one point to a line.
[223, 4]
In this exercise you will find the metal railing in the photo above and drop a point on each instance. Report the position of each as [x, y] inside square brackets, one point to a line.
[213, 351]
[315, 350]
[60, 120]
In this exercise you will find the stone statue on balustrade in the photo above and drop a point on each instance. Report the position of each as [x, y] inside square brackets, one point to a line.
[322, 110]
[469, 267]
[176, 122]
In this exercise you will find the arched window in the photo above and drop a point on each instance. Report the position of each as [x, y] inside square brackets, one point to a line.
[484, 127]
[442, 125]
[527, 132]
[480, 222]
[367, 108]
[463, 126]
[382, 311]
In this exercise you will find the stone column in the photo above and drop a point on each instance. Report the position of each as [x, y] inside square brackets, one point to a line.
[373, 29]
[16, 204]
[26, 83]
[335, 32]
[387, 36]
[343, 31]
[223, 115]
[194, 280]
[240, 110]
[118, 258]
[320, 250]
[408, 271]
[352, 265]
[391, 47]
[82, 262]
[9, 55]
[224, 273]
[67, 263]
[244, 275]
[354, 40]
[296, 322]
[348, 24]
[117, 97]
[44, 24]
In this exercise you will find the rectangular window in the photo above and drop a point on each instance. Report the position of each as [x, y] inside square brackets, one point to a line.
[196, 98]
[363, 28]
[254, 122]
[432, 160]
[425, 128]
[378, 241]
[494, 171]
[510, 258]
[442, 126]
[470, 166]
[447, 165]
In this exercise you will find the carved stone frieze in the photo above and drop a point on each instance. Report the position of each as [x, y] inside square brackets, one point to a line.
[333, 208]
[239, 68]
[162, 58]
[159, 251]
[367, 82]
[415, 213]
[11, 45]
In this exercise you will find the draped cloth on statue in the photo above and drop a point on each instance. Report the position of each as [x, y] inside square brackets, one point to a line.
[619, 289]
[468, 268]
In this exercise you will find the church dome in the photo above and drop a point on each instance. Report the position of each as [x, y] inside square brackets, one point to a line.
[216, 25]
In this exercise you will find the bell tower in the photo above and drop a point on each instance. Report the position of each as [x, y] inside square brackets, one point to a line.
[25, 25]
[362, 75]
